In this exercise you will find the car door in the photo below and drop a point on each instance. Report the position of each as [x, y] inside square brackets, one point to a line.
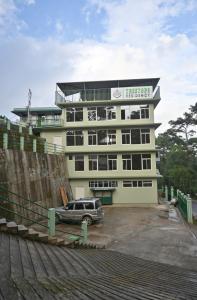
[78, 211]
[68, 211]
[89, 208]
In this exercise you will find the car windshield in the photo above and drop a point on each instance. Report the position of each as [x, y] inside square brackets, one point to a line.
[98, 204]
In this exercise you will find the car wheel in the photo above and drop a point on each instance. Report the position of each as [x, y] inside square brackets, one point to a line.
[57, 219]
[88, 219]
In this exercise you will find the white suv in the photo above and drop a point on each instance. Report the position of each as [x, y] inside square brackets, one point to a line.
[89, 209]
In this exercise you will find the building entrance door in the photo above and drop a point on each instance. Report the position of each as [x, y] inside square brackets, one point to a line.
[105, 197]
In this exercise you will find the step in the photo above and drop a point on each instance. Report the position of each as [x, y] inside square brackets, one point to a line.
[12, 227]
[32, 234]
[22, 230]
[60, 242]
[42, 237]
[52, 240]
[3, 224]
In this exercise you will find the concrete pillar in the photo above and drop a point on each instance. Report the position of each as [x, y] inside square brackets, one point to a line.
[45, 147]
[5, 141]
[51, 221]
[84, 231]
[177, 194]
[21, 142]
[34, 145]
[189, 210]
[8, 125]
[30, 130]
[166, 193]
[172, 192]
[20, 128]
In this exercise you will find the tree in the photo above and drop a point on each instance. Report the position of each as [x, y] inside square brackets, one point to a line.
[184, 125]
[178, 148]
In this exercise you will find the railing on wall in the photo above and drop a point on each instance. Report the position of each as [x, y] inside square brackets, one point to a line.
[184, 202]
[23, 210]
[17, 137]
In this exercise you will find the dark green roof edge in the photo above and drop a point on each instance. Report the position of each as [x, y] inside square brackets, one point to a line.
[23, 110]
[108, 83]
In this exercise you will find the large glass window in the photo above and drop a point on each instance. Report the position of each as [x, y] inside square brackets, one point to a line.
[133, 112]
[102, 162]
[136, 161]
[79, 162]
[74, 138]
[101, 137]
[74, 114]
[101, 113]
[136, 136]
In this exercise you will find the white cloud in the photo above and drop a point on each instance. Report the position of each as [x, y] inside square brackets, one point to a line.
[136, 44]
[6, 6]
[29, 2]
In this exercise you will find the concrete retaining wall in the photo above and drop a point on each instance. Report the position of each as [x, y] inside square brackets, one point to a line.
[34, 176]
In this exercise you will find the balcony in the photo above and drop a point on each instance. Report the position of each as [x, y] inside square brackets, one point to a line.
[110, 94]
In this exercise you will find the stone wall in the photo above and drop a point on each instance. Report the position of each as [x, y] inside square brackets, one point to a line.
[34, 176]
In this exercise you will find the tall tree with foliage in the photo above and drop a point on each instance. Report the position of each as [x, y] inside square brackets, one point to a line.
[178, 149]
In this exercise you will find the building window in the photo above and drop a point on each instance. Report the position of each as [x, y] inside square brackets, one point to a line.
[133, 112]
[126, 136]
[146, 161]
[79, 162]
[74, 138]
[135, 136]
[145, 136]
[102, 162]
[101, 137]
[126, 160]
[136, 161]
[92, 137]
[74, 114]
[101, 113]
[103, 183]
[137, 183]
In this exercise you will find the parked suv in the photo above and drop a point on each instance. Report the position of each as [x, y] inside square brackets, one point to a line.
[88, 209]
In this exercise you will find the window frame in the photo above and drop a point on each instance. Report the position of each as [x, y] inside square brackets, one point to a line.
[144, 183]
[76, 110]
[95, 162]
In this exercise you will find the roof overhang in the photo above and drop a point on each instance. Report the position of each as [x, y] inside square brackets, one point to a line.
[83, 85]
[22, 111]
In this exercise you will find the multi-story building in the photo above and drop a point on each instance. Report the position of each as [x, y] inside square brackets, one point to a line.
[108, 130]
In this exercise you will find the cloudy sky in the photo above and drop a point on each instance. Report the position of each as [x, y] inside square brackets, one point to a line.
[47, 41]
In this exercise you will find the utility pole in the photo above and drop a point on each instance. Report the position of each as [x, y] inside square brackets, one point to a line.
[29, 107]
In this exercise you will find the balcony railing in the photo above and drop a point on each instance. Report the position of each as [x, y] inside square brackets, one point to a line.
[50, 122]
[102, 94]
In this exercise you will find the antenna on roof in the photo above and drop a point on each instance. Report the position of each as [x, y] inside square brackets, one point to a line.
[28, 107]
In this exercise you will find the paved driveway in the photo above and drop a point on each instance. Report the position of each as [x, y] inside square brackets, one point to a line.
[146, 233]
